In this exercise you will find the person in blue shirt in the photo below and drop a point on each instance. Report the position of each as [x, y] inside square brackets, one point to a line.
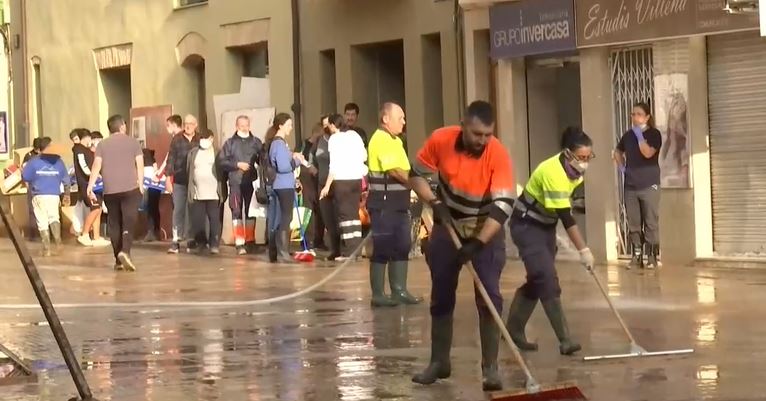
[45, 175]
[283, 163]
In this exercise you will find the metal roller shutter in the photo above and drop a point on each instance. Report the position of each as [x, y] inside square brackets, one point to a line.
[737, 107]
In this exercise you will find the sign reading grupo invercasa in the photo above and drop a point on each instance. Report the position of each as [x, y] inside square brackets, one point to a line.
[530, 27]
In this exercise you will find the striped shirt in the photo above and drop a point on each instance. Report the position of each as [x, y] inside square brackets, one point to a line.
[474, 188]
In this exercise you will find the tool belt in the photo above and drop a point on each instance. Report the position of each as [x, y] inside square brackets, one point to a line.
[528, 208]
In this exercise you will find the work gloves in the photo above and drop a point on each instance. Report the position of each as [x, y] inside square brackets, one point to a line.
[441, 213]
[639, 133]
[586, 259]
[469, 250]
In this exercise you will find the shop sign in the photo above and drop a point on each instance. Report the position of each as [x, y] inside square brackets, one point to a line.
[606, 22]
[530, 27]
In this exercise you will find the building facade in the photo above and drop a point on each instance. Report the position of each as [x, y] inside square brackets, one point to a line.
[695, 64]
[83, 61]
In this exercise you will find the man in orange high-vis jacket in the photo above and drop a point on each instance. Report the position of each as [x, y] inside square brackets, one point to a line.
[475, 182]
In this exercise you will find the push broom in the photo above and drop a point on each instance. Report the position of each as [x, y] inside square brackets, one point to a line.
[534, 391]
[635, 349]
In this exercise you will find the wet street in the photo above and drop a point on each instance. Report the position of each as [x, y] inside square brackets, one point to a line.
[331, 345]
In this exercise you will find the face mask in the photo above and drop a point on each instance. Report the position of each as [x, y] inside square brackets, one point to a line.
[242, 134]
[205, 143]
[579, 166]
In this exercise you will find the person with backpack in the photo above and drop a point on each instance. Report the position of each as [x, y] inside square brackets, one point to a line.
[280, 164]
[238, 158]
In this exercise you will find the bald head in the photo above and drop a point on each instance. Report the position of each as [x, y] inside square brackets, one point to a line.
[392, 118]
[190, 125]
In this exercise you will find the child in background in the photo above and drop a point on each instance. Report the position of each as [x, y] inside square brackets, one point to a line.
[45, 174]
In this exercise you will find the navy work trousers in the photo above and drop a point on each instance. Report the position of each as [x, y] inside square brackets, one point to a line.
[445, 271]
[390, 235]
[537, 248]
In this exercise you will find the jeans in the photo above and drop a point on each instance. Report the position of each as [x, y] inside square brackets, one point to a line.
[180, 211]
[152, 202]
[122, 217]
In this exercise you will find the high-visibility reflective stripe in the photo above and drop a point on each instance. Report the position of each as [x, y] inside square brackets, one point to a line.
[468, 197]
[502, 194]
[355, 234]
[350, 223]
[389, 187]
[533, 212]
[556, 195]
[504, 205]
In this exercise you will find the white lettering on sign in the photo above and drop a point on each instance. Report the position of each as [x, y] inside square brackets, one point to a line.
[650, 10]
[600, 24]
[532, 34]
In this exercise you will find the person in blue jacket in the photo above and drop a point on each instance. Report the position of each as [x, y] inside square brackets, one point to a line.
[283, 163]
[45, 175]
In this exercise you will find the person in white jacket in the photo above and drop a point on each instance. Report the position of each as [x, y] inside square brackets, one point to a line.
[344, 183]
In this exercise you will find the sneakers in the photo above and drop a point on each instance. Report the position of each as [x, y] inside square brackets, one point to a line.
[126, 262]
[215, 250]
[174, 248]
[101, 242]
[241, 250]
[85, 240]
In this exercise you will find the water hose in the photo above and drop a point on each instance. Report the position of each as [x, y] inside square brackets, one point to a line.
[202, 304]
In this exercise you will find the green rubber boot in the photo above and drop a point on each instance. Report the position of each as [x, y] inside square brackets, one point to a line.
[56, 236]
[555, 313]
[45, 237]
[377, 285]
[397, 279]
[518, 316]
[441, 342]
[490, 341]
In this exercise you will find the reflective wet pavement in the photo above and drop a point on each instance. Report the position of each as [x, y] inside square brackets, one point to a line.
[332, 346]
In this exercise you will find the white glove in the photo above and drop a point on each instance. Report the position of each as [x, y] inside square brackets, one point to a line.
[587, 259]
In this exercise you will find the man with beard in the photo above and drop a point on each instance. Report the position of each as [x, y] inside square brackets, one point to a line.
[474, 199]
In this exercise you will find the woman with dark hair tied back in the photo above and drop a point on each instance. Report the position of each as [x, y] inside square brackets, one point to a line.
[545, 201]
[282, 193]
[344, 182]
[637, 156]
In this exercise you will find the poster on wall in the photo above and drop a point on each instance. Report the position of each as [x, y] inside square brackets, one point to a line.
[4, 147]
[670, 96]
[138, 129]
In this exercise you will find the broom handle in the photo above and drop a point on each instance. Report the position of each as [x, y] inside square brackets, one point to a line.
[493, 310]
[611, 306]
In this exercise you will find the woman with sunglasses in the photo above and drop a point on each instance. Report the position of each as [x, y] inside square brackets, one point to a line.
[545, 201]
[637, 156]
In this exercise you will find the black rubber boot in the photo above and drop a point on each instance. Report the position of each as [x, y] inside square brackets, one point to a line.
[377, 285]
[518, 316]
[490, 341]
[272, 247]
[555, 313]
[652, 251]
[441, 342]
[45, 237]
[637, 260]
[283, 248]
[397, 279]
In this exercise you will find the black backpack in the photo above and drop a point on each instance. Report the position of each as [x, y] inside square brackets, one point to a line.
[267, 174]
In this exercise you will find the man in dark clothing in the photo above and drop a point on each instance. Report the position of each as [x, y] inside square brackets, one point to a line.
[351, 114]
[176, 169]
[321, 162]
[237, 158]
[120, 162]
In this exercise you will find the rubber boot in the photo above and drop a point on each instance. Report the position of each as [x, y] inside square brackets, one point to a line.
[45, 237]
[397, 279]
[518, 316]
[283, 248]
[56, 236]
[377, 285]
[555, 313]
[490, 341]
[272, 247]
[652, 251]
[637, 260]
[441, 342]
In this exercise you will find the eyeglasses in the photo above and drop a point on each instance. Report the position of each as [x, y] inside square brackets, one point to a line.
[634, 114]
[585, 158]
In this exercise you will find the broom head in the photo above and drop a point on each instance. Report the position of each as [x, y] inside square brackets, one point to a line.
[560, 392]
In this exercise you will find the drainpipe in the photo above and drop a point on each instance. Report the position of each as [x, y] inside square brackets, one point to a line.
[457, 20]
[296, 108]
